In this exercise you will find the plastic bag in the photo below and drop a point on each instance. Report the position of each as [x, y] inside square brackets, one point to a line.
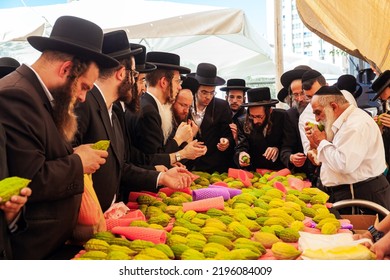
[91, 218]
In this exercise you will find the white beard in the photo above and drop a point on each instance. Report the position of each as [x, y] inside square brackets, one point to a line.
[166, 120]
[330, 119]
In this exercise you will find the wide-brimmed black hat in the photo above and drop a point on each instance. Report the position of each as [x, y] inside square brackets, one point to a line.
[348, 82]
[116, 44]
[75, 36]
[381, 83]
[140, 60]
[288, 77]
[7, 65]
[190, 83]
[259, 97]
[166, 60]
[235, 84]
[206, 74]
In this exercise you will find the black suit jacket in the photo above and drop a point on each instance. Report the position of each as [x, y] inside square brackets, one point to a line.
[5, 245]
[292, 143]
[37, 151]
[215, 125]
[94, 125]
[255, 143]
[133, 154]
[150, 138]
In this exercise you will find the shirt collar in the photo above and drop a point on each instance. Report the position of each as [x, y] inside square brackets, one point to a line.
[45, 89]
[342, 118]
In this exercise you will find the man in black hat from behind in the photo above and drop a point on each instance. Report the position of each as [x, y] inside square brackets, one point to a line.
[260, 133]
[235, 95]
[36, 109]
[212, 116]
[350, 150]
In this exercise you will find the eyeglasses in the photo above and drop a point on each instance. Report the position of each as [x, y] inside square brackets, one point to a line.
[260, 117]
[206, 93]
[185, 106]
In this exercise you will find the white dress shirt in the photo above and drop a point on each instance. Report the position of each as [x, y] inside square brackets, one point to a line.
[356, 153]
[308, 116]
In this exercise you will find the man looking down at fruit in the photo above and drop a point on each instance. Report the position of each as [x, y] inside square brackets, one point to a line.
[260, 132]
[382, 86]
[350, 150]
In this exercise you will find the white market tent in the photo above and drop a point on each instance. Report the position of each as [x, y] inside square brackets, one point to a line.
[222, 36]
[359, 27]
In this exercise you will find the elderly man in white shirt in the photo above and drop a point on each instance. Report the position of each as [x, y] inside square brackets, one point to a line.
[350, 149]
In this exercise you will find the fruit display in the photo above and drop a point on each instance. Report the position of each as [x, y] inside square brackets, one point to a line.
[262, 220]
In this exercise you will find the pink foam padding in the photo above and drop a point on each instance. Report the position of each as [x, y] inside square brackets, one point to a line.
[134, 214]
[281, 172]
[204, 193]
[278, 185]
[296, 183]
[151, 193]
[242, 174]
[205, 204]
[233, 172]
[134, 195]
[263, 171]
[111, 223]
[222, 184]
[169, 191]
[156, 236]
[132, 205]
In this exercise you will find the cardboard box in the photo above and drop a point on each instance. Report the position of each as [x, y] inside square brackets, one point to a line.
[361, 222]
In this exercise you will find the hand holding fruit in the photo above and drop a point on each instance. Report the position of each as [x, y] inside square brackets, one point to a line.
[13, 196]
[223, 144]
[244, 159]
[383, 120]
[314, 134]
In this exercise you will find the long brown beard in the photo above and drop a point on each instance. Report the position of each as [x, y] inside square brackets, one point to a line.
[125, 90]
[63, 110]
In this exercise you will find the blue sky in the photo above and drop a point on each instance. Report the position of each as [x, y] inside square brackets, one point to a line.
[254, 9]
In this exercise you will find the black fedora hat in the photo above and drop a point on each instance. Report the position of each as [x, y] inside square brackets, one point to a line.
[348, 82]
[295, 74]
[7, 65]
[166, 60]
[288, 77]
[381, 83]
[75, 36]
[116, 45]
[282, 94]
[140, 60]
[190, 83]
[206, 74]
[235, 84]
[259, 97]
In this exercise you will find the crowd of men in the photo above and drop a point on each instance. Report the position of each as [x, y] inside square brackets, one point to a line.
[163, 122]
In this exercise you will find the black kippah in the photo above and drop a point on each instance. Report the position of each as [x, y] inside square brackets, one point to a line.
[328, 90]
